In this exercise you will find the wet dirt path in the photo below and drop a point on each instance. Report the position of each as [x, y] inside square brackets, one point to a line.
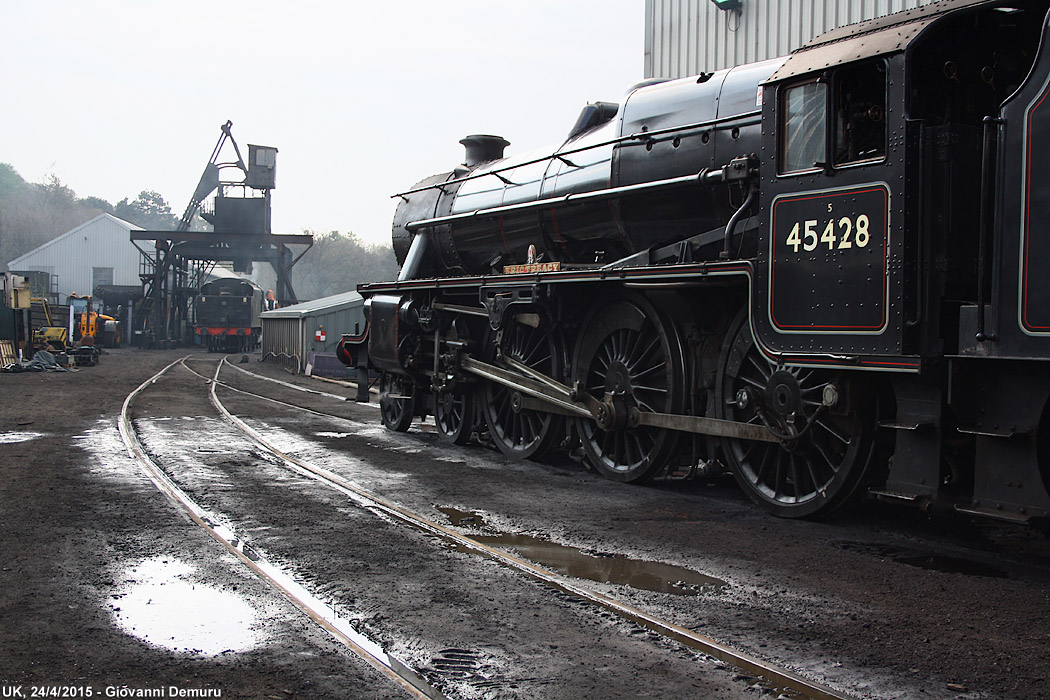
[880, 601]
[105, 587]
[469, 625]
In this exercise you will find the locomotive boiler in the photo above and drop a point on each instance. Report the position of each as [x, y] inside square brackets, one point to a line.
[819, 273]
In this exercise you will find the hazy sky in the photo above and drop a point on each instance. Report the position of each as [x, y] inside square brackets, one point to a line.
[361, 99]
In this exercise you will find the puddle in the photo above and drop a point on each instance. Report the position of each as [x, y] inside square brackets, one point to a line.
[926, 560]
[603, 568]
[161, 605]
[10, 438]
[338, 436]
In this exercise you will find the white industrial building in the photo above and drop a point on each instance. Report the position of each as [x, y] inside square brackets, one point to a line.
[98, 252]
[687, 37]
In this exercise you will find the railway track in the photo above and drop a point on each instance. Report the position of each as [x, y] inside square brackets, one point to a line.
[788, 682]
[317, 610]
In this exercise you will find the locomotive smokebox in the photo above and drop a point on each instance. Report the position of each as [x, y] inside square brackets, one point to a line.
[481, 148]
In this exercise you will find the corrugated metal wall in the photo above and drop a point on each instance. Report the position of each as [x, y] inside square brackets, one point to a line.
[685, 37]
[290, 340]
[282, 342]
[104, 242]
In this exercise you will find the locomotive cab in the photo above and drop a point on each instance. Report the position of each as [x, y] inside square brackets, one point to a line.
[889, 178]
[869, 174]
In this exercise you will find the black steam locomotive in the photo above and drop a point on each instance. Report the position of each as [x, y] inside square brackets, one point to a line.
[820, 273]
[228, 315]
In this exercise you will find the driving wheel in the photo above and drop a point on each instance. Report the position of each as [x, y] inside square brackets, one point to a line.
[629, 357]
[823, 420]
[520, 432]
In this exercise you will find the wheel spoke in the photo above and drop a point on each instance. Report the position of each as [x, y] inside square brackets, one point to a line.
[761, 366]
[816, 481]
[530, 348]
[778, 484]
[832, 466]
[769, 454]
[748, 380]
[645, 406]
[809, 374]
[615, 349]
[535, 424]
[635, 359]
[651, 389]
[646, 372]
[506, 410]
[798, 476]
[604, 362]
[844, 439]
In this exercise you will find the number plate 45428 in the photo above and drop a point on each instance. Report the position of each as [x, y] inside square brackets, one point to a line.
[827, 254]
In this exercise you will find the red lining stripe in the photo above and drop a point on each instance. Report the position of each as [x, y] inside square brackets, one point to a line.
[1028, 212]
[885, 258]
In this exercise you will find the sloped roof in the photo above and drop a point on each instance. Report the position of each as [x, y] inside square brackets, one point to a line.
[54, 241]
[336, 302]
[873, 37]
[220, 272]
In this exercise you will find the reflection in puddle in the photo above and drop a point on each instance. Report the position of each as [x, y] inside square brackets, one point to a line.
[162, 606]
[9, 438]
[926, 560]
[604, 568]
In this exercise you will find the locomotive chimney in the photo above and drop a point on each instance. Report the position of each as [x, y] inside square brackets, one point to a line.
[482, 148]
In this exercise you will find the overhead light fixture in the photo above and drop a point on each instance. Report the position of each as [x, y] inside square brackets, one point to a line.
[727, 5]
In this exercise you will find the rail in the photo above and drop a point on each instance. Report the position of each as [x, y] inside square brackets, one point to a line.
[321, 613]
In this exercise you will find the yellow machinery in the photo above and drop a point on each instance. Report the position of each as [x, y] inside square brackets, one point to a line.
[104, 329]
[50, 332]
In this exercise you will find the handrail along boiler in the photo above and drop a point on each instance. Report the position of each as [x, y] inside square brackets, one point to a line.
[820, 273]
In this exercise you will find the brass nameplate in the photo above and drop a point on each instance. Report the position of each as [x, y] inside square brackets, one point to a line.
[531, 267]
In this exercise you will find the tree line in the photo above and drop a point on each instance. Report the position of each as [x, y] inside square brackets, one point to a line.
[338, 262]
[32, 214]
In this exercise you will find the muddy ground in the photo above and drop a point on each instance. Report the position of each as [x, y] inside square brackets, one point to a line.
[880, 600]
[76, 531]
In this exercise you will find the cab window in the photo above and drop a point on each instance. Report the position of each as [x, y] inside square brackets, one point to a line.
[804, 127]
[860, 113]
